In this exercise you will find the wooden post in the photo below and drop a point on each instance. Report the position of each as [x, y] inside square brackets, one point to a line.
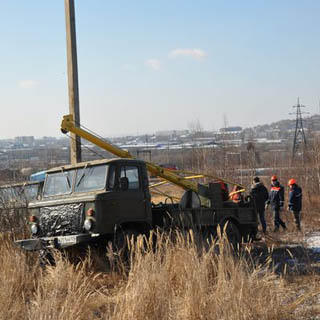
[75, 142]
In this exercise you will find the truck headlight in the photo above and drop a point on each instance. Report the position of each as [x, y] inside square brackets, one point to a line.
[88, 224]
[34, 228]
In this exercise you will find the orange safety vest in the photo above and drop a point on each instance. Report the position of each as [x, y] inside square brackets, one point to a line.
[236, 197]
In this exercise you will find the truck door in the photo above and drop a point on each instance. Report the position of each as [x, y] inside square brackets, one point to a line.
[133, 198]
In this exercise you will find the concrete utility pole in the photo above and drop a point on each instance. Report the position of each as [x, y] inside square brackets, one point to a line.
[75, 142]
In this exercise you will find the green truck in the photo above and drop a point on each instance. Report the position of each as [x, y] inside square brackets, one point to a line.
[107, 200]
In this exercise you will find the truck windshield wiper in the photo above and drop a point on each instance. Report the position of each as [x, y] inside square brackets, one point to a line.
[82, 176]
[67, 177]
[68, 180]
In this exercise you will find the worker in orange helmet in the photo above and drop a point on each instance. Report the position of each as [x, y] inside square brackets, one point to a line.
[276, 199]
[274, 181]
[295, 201]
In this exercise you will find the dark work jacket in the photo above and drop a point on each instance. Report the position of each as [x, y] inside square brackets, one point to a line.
[281, 195]
[275, 197]
[260, 194]
[295, 198]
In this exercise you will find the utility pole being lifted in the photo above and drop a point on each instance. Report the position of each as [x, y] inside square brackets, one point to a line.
[299, 135]
[75, 142]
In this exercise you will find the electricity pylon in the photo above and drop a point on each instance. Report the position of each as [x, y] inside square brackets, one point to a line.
[299, 135]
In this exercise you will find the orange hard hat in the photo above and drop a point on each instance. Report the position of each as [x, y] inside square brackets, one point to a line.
[291, 182]
[273, 178]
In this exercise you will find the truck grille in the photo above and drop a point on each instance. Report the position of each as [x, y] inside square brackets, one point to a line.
[61, 220]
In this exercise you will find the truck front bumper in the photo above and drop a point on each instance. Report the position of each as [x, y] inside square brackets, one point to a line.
[59, 242]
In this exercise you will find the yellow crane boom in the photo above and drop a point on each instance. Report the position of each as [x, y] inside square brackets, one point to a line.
[68, 125]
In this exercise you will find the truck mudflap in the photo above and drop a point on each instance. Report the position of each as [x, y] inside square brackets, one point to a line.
[59, 242]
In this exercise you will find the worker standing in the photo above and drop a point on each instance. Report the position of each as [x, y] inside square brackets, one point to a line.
[295, 201]
[236, 195]
[274, 179]
[260, 194]
[275, 199]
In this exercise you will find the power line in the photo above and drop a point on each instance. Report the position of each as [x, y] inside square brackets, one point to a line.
[93, 151]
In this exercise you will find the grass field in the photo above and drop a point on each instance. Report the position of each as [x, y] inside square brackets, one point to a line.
[177, 280]
[275, 278]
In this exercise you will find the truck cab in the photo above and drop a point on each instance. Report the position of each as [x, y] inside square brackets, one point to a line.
[89, 201]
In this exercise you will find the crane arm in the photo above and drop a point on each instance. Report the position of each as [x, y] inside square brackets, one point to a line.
[68, 125]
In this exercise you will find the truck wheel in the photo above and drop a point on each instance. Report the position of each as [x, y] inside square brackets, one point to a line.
[121, 242]
[232, 233]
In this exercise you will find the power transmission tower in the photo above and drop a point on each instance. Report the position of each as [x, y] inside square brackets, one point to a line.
[299, 135]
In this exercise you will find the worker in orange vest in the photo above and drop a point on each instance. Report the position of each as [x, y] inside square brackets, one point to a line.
[235, 196]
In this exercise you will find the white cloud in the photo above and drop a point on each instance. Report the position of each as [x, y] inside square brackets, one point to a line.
[154, 64]
[193, 53]
[28, 84]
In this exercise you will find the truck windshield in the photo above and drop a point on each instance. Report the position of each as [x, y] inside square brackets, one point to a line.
[31, 191]
[58, 183]
[91, 178]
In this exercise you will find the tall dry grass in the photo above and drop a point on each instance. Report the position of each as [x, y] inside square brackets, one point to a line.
[16, 280]
[179, 282]
[175, 280]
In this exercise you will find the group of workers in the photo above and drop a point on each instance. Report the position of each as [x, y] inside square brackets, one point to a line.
[274, 198]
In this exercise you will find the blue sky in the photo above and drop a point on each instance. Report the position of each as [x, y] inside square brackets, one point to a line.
[146, 66]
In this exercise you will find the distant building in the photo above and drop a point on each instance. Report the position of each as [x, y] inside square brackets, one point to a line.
[172, 132]
[24, 140]
[231, 129]
[45, 138]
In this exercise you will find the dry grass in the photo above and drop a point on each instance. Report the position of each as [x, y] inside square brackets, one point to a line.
[177, 280]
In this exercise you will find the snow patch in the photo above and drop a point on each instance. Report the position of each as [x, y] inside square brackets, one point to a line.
[313, 241]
